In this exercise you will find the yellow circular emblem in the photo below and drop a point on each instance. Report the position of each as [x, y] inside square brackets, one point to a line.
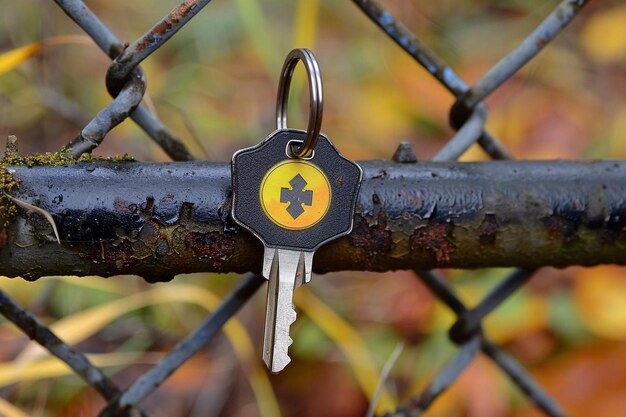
[295, 194]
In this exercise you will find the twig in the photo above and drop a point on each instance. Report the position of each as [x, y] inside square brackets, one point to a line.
[384, 374]
[44, 213]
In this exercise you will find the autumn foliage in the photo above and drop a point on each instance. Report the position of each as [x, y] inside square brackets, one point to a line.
[214, 84]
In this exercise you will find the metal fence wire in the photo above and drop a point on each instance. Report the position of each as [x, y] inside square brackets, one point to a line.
[126, 83]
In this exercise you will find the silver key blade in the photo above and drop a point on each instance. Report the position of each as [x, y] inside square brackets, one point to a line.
[284, 267]
[305, 266]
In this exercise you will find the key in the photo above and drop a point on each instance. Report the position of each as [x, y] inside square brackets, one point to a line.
[295, 192]
[293, 206]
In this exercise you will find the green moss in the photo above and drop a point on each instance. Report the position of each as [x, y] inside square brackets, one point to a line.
[63, 157]
[7, 207]
[8, 182]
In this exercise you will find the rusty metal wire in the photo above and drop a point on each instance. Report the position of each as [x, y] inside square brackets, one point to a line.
[527, 50]
[132, 55]
[434, 64]
[126, 83]
[39, 332]
[124, 106]
[191, 345]
[437, 284]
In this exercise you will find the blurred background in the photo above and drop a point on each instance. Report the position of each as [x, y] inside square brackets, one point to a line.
[214, 85]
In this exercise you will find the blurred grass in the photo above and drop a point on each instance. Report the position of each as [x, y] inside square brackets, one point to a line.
[77, 327]
[366, 371]
[214, 84]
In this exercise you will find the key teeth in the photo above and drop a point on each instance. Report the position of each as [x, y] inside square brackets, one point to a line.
[276, 368]
[281, 358]
[285, 270]
[281, 352]
[293, 315]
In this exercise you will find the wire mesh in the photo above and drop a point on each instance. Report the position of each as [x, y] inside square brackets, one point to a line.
[126, 83]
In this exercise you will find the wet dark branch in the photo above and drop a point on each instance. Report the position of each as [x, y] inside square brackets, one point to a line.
[159, 220]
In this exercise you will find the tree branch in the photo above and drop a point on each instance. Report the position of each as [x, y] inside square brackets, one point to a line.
[159, 220]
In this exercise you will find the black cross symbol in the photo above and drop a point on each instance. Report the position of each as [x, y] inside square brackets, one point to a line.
[296, 196]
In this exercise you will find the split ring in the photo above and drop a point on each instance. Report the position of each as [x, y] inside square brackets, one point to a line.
[316, 101]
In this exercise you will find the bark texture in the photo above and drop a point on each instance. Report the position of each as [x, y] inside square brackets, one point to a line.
[159, 220]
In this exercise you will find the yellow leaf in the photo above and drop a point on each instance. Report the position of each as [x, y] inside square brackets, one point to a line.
[600, 297]
[50, 367]
[78, 327]
[115, 286]
[351, 344]
[604, 36]
[304, 33]
[11, 59]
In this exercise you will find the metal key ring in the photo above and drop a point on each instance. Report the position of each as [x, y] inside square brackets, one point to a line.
[315, 98]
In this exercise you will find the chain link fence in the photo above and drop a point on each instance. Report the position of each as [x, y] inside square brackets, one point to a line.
[126, 82]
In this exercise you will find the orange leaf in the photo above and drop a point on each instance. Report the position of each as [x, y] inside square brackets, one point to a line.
[11, 59]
